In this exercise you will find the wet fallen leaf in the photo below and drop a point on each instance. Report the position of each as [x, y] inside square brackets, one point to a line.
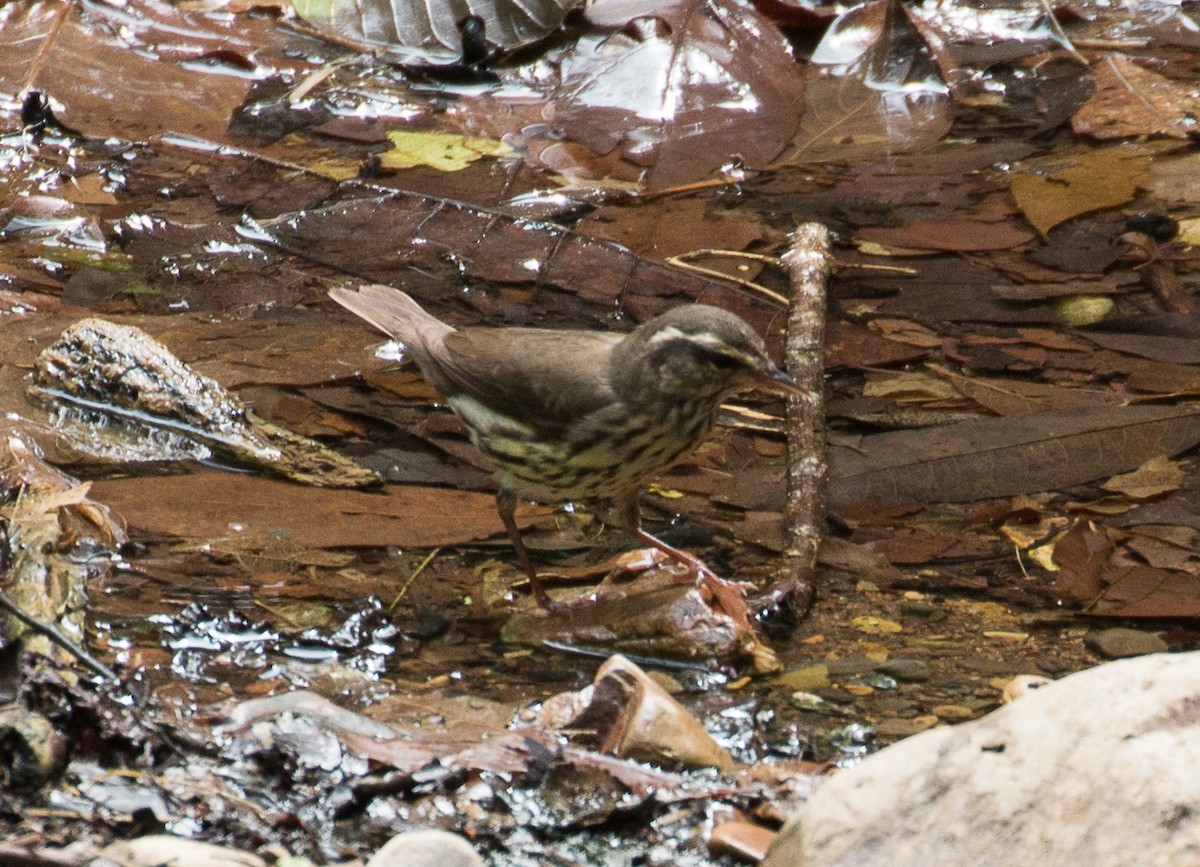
[209, 506]
[992, 457]
[682, 92]
[879, 91]
[403, 238]
[141, 53]
[1131, 100]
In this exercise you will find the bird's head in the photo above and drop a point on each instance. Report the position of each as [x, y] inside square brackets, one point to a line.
[699, 351]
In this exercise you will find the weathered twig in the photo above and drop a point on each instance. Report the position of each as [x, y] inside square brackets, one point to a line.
[808, 264]
[55, 635]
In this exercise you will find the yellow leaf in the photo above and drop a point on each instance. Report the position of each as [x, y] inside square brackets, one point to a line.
[1189, 231]
[665, 493]
[443, 151]
[1101, 179]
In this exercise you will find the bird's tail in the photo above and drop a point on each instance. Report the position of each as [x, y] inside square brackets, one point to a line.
[392, 312]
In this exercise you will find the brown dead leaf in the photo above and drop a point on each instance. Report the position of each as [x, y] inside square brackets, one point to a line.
[1081, 555]
[1156, 476]
[1110, 581]
[1143, 591]
[90, 190]
[679, 226]
[681, 99]
[957, 234]
[542, 266]
[914, 546]
[906, 331]
[912, 386]
[1012, 397]
[1167, 547]
[991, 457]
[848, 344]
[139, 52]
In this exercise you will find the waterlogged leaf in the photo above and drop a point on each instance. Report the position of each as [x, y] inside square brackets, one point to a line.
[420, 32]
[1100, 179]
[1131, 100]
[975, 460]
[403, 239]
[880, 91]
[442, 151]
[212, 506]
[845, 119]
[682, 93]
[130, 71]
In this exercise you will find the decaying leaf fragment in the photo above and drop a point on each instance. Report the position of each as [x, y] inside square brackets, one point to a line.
[58, 539]
[629, 714]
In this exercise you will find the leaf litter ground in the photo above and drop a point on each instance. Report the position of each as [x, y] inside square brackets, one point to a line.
[1003, 483]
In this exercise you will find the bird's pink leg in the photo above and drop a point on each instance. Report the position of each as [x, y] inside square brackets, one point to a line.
[506, 505]
[730, 596]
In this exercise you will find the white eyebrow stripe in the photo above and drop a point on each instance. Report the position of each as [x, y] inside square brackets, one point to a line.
[704, 338]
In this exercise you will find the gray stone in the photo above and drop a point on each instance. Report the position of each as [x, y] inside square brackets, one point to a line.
[905, 668]
[1100, 768]
[1119, 643]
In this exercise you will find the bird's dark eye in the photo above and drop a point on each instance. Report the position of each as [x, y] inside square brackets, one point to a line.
[723, 362]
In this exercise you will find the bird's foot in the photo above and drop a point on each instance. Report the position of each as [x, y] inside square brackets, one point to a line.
[729, 596]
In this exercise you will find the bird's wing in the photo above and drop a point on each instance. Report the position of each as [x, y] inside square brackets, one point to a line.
[541, 378]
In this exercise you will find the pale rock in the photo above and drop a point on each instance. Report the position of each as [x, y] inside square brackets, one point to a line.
[165, 850]
[427, 847]
[1100, 768]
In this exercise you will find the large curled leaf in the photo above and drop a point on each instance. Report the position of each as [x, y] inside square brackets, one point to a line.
[417, 31]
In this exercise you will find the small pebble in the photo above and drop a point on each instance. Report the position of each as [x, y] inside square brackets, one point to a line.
[741, 839]
[1022, 685]
[808, 678]
[910, 670]
[952, 712]
[810, 702]
[903, 728]
[1118, 643]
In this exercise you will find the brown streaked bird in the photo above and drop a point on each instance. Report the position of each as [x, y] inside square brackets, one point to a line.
[569, 415]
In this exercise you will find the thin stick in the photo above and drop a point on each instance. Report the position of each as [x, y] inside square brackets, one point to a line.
[53, 633]
[756, 288]
[413, 577]
[808, 265]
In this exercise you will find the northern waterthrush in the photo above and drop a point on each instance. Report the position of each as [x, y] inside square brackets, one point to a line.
[569, 415]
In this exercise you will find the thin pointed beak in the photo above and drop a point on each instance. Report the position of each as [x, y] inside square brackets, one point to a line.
[775, 380]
